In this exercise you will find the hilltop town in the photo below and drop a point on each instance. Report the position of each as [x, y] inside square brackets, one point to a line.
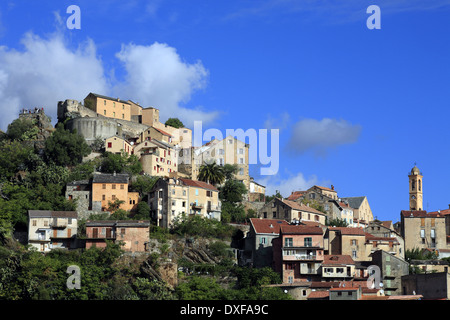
[113, 183]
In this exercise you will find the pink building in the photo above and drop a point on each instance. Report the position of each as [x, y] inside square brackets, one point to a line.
[134, 234]
[298, 253]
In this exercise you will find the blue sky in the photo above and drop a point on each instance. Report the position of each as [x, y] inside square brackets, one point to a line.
[355, 107]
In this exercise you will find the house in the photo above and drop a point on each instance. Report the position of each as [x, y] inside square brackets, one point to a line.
[387, 244]
[107, 188]
[256, 192]
[158, 158]
[298, 253]
[346, 293]
[226, 151]
[157, 134]
[135, 234]
[49, 230]
[258, 242]
[346, 241]
[431, 286]
[108, 107]
[422, 230]
[81, 193]
[291, 211]
[171, 197]
[362, 212]
[337, 268]
[117, 145]
[392, 268]
[386, 229]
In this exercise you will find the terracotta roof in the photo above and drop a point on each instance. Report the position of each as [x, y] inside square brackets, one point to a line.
[162, 131]
[374, 297]
[337, 260]
[344, 289]
[349, 231]
[295, 195]
[198, 184]
[267, 225]
[325, 188]
[372, 237]
[318, 294]
[441, 212]
[420, 214]
[289, 229]
[300, 207]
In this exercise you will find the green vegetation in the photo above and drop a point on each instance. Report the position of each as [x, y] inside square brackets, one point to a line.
[337, 222]
[211, 173]
[174, 122]
[121, 163]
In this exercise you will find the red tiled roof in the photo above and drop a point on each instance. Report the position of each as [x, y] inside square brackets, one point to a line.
[344, 289]
[420, 214]
[349, 231]
[298, 206]
[267, 225]
[289, 229]
[372, 237]
[162, 131]
[325, 188]
[441, 212]
[198, 184]
[374, 297]
[295, 195]
[318, 294]
[337, 260]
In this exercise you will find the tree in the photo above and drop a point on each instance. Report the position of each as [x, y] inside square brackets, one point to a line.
[14, 156]
[174, 122]
[211, 173]
[144, 184]
[232, 191]
[121, 163]
[65, 148]
[230, 170]
[276, 195]
[142, 211]
[337, 222]
[22, 129]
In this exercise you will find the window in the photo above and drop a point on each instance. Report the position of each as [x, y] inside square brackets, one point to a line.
[241, 160]
[240, 151]
[184, 192]
[104, 102]
[422, 222]
[196, 192]
[354, 254]
[104, 112]
[122, 187]
[354, 242]
[104, 186]
[123, 116]
[114, 114]
[183, 204]
[230, 141]
[114, 187]
[103, 197]
[113, 197]
[433, 233]
[308, 242]
[241, 171]
[274, 214]
[422, 233]
[291, 279]
[288, 242]
[114, 104]
[109, 144]
[45, 223]
[69, 221]
[221, 151]
[122, 231]
[262, 240]
[174, 202]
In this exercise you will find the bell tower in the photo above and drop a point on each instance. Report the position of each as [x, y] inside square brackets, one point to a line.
[415, 189]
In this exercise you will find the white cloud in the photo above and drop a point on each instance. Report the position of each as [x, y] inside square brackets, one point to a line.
[287, 185]
[280, 122]
[45, 72]
[156, 76]
[319, 136]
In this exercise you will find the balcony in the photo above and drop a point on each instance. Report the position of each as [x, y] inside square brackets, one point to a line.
[197, 206]
[58, 223]
[210, 208]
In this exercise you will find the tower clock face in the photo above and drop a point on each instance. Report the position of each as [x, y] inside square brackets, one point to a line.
[413, 197]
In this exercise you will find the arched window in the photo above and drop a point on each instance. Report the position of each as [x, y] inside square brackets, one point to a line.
[413, 184]
[420, 185]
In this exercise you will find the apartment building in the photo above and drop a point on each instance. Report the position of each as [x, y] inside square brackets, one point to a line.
[291, 211]
[298, 253]
[226, 151]
[171, 197]
[108, 188]
[108, 107]
[157, 157]
[133, 234]
[49, 230]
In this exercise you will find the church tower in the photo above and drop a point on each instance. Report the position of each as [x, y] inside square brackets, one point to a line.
[415, 189]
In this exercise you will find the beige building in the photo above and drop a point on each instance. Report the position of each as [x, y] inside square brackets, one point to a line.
[172, 197]
[116, 144]
[256, 192]
[362, 213]
[291, 211]
[415, 189]
[108, 107]
[227, 151]
[49, 230]
[157, 158]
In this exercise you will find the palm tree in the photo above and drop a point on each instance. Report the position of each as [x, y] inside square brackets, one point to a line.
[211, 173]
